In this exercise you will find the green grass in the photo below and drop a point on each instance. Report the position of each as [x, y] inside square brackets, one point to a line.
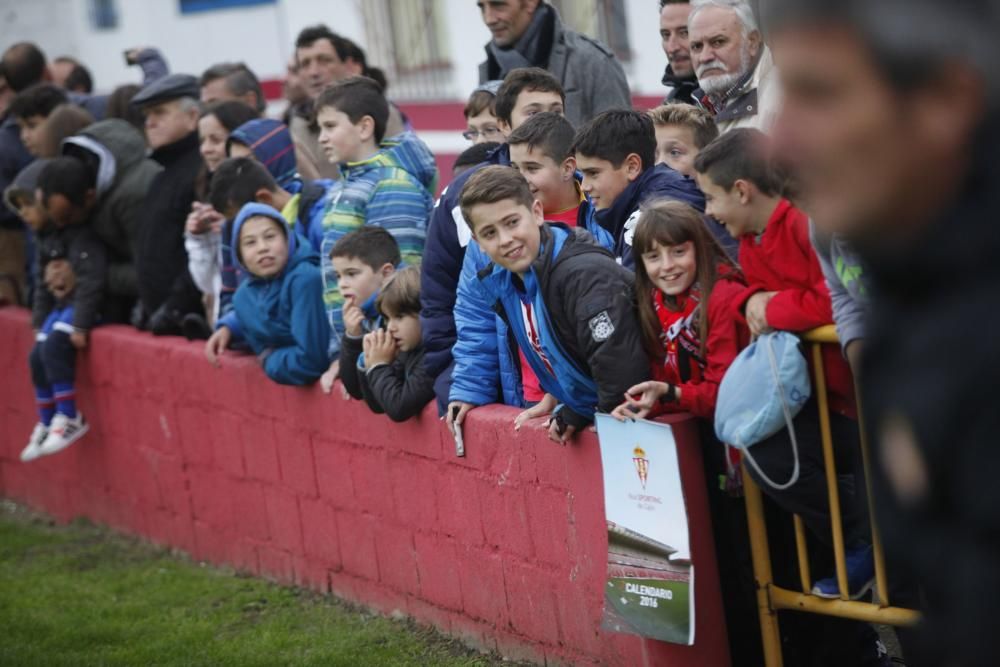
[82, 595]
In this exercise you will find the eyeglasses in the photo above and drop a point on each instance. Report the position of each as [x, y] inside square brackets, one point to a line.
[486, 132]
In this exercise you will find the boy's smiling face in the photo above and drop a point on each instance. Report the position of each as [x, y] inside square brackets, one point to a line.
[358, 281]
[263, 246]
[546, 178]
[729, 208]
[603, 182]
[509, 232]
[341, 140]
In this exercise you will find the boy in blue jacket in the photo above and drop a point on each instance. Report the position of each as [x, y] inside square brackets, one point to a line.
[616, 153]
[279, 309]
[568, 304]
[524, 93]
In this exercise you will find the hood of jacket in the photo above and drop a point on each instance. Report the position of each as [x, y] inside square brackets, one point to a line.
[659, 182]
[298, 253]
[116, 145]
[271, 143]
[25, 183]
[404, 151]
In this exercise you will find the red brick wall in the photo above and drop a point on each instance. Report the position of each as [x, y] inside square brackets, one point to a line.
[505, 548]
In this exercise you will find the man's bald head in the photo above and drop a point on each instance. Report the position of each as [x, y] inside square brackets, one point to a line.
[23, 66]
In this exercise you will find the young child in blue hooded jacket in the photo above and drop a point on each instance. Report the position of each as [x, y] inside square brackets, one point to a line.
[279, 310]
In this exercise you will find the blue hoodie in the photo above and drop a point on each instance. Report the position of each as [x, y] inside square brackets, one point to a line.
[282, 318]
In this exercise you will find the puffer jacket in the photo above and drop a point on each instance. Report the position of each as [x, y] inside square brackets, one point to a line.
[448, 235]
[282, 317]
[124, 177]
[393, 189]
[588, 329]
[487, 368]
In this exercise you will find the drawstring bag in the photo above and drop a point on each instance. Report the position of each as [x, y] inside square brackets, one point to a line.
[761, 393]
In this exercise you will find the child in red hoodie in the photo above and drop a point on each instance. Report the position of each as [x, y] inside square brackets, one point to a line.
[786, 291]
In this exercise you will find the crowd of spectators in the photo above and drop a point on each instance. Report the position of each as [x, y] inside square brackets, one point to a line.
[584, 257]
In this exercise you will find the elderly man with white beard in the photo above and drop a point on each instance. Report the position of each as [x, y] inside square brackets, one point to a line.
[734, 67]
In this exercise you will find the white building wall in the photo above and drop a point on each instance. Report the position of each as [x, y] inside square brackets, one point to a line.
[262, 36]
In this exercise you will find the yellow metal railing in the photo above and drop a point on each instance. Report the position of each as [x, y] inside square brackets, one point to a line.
[772, 598]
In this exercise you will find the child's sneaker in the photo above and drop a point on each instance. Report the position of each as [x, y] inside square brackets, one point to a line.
[63, 433]
[33, 450]
[860, 575]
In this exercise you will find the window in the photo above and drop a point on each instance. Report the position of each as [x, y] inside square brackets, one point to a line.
[603, 20]
[194, 6]
[409, 40]
[103, 14]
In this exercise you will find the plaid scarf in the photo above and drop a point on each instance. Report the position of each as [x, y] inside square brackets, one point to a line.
[716, 103]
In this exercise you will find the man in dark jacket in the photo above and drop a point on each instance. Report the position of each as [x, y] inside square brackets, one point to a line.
[166, 291]
[569, 305]
[893, 142]
[679, 76]
[530, 33]
[116, 154]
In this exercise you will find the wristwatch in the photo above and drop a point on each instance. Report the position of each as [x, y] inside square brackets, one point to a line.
[670, 396]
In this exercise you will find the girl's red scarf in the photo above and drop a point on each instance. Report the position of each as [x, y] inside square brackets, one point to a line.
[682, 360]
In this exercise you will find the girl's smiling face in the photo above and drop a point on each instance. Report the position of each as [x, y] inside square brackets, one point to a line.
[671, 268]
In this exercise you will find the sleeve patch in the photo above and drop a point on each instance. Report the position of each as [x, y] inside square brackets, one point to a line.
[601, 327]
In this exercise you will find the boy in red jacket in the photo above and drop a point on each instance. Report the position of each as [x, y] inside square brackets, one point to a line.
[787, 292]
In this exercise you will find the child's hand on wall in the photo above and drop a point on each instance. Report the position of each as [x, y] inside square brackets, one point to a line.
[327, 379]
[543, 408]
[217, 344]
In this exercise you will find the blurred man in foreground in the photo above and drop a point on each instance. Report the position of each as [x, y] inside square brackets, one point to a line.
[890, 126]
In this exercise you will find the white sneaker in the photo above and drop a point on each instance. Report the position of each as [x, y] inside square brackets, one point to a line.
[33, 450]
[63, 432]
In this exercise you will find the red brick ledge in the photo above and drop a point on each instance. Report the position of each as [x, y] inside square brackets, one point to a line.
[504, 548]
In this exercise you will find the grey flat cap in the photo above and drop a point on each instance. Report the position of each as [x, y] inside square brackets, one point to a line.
[170, 87]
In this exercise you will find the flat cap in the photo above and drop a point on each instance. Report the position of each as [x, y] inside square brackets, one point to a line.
[170, 87]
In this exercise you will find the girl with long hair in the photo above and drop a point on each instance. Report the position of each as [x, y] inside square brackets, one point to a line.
[686, 286]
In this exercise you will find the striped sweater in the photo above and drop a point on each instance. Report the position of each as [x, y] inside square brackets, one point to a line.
[393, 189]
